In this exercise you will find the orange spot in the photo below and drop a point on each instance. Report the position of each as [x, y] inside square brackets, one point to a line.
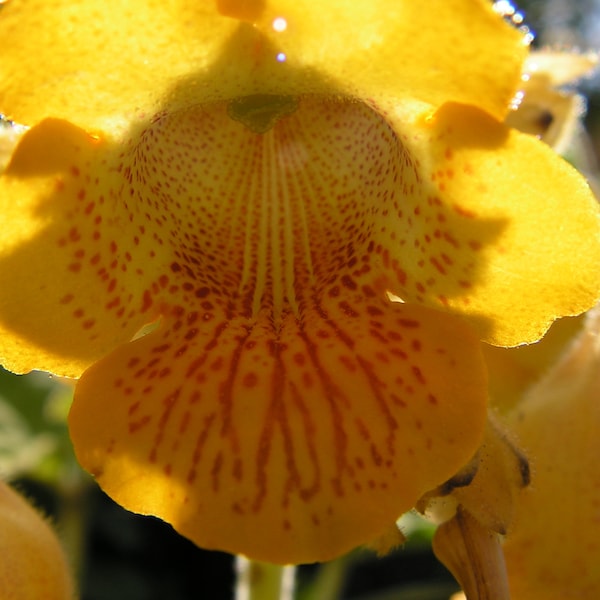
[408, 323]
[250, 380]
[244, 10]
[419, 375]
[147, 301]
[434, 261]
[463, 212]
[135, 426]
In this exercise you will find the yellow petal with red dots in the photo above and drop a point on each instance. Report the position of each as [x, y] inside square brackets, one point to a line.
[492, 224]
[96, 226]
[73, 284]
[103, 69]
[288, 440]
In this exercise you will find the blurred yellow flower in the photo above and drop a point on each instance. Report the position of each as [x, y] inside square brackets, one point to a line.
[33, 565]
[553, 550]
[209, 214]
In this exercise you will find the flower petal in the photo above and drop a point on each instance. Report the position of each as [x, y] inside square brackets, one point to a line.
[512, 371]
[456, 50]
[288, 441]
[71, 292]
[557, 422]
[496, 225]
[417, 206]
[96, 67]
[80, 62]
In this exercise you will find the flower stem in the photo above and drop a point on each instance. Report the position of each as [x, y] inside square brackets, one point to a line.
[263, 581]
[474, 556]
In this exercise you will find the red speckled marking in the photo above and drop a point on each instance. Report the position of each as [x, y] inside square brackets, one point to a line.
[280, 383]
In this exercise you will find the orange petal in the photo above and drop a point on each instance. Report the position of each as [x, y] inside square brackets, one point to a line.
[288, 440]
[262, 196]
[393, 49]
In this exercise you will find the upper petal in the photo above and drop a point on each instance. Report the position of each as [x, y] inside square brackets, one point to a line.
[456, 50]
[97, 64]
[85, 63]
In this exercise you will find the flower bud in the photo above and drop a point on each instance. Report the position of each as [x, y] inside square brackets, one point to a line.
[33, 565]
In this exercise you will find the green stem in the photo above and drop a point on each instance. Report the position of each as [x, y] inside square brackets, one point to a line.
[263, 581]
[329, 580]
[72, 520]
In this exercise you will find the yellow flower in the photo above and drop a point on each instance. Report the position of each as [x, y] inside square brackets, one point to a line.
[553, 550]
[33, 565]
[210, 208]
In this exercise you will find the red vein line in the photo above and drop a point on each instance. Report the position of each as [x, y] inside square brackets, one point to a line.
[331, 392]
[225, 395]
[169, 403]
[368, 372]
[309, 429]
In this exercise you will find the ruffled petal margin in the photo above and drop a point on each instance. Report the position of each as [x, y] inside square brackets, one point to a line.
[495, 225]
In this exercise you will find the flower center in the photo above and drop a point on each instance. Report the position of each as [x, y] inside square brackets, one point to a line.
[263, 202]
